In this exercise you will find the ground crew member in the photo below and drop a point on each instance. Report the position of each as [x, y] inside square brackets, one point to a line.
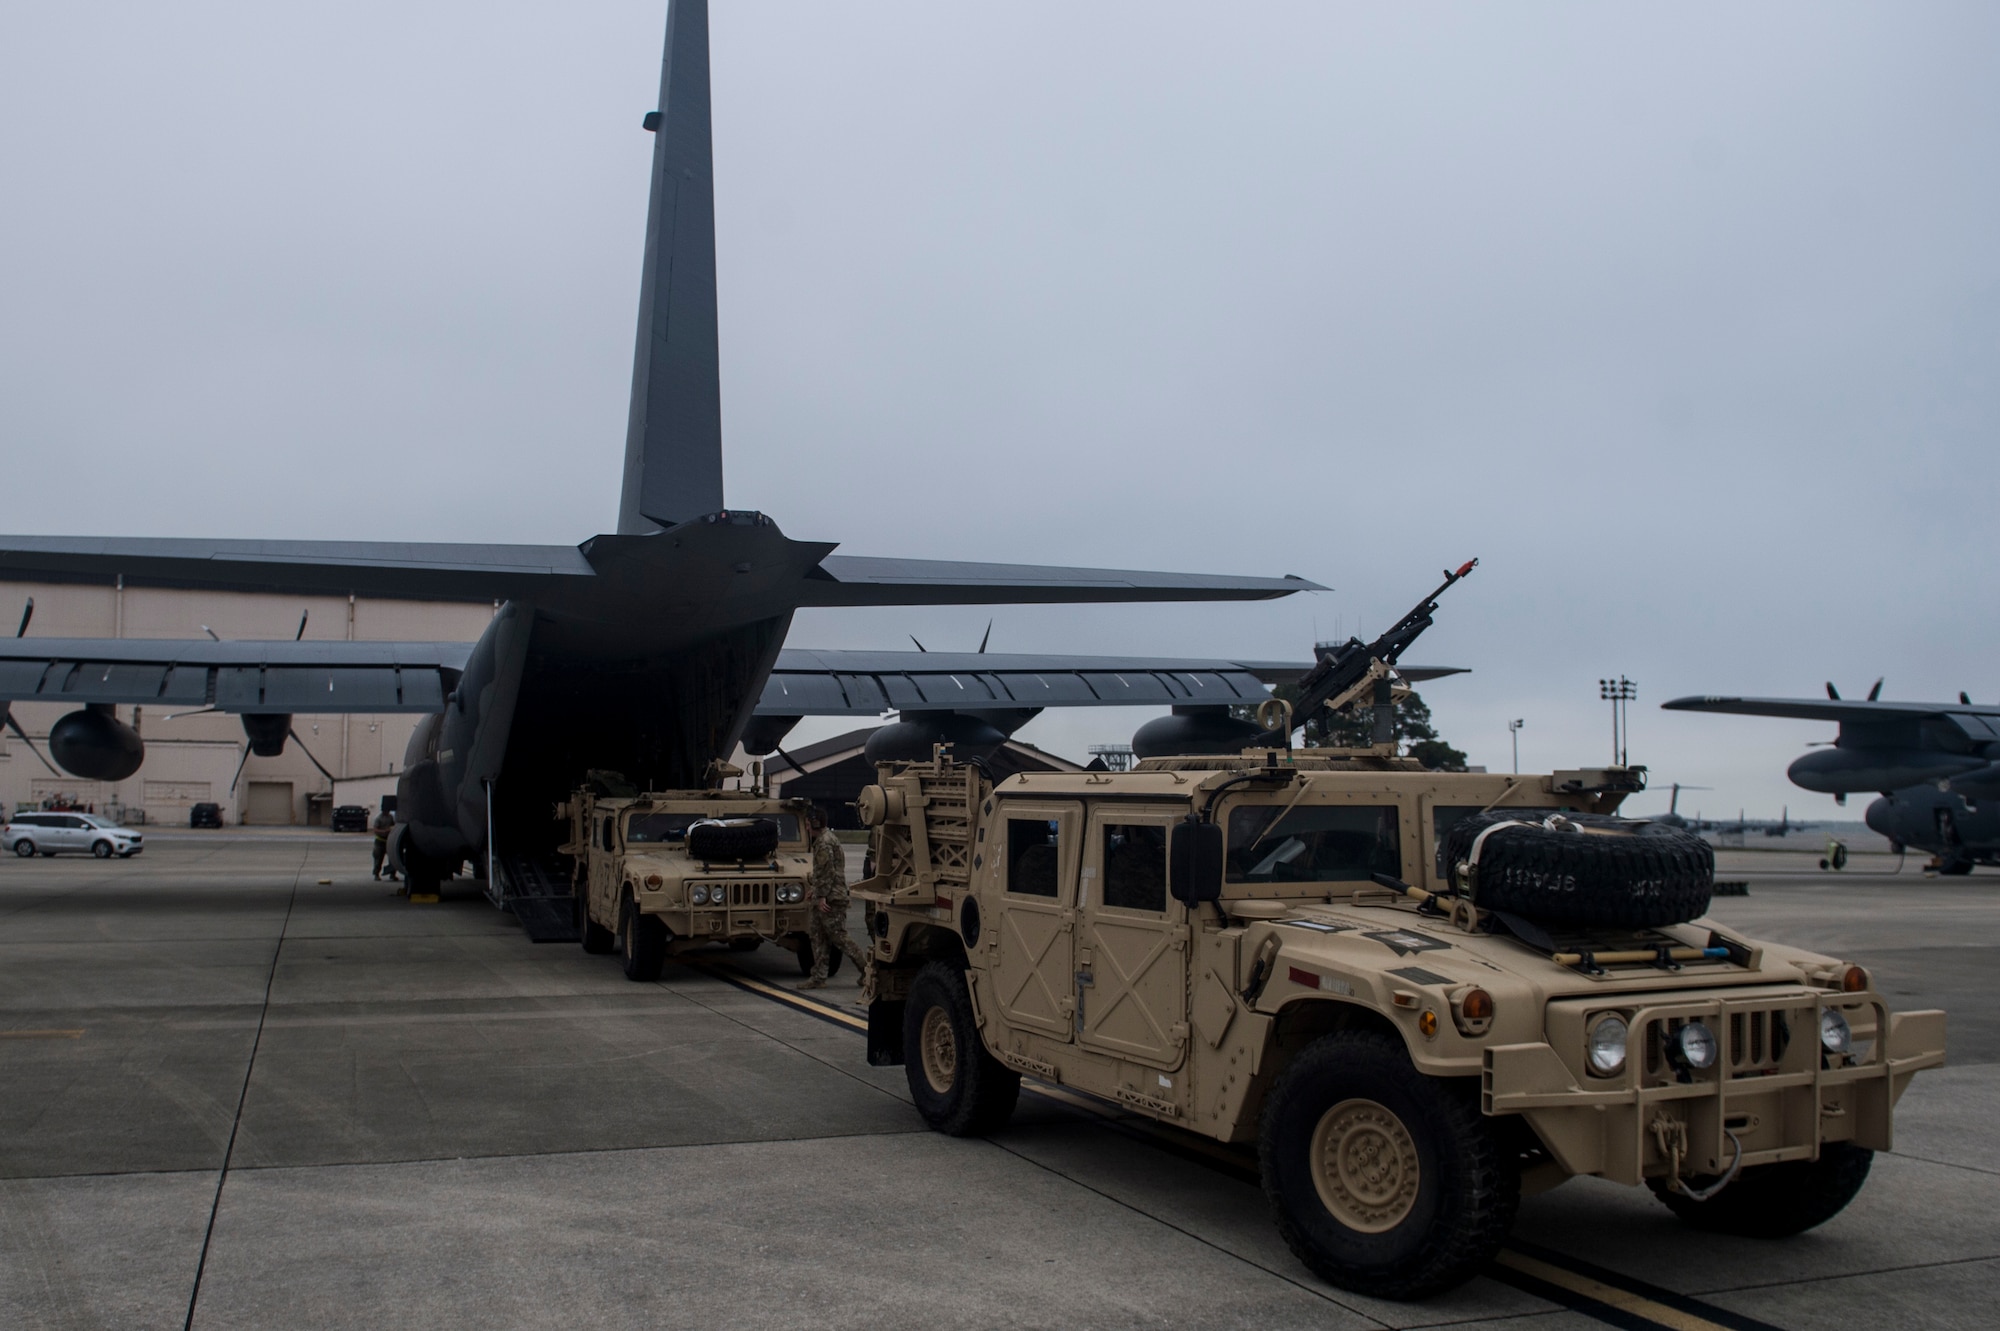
[826, 905]
[385, 823]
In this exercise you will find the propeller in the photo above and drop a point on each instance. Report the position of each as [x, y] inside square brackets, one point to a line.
[293, 732]
[239, 767]
[1874, 694]
[6, 706]
[7, 713]
[984, 638]
[1965, 697]
[302, 628]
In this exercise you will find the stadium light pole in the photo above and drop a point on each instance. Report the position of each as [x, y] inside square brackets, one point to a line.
[1618, 692]
[1514, 733]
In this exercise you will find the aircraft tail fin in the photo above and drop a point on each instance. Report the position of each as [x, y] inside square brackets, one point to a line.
[673, 439]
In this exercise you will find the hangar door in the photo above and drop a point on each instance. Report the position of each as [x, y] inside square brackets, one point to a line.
[270, 802]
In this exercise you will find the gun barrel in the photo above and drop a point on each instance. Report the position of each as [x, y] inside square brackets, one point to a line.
[1345, 666]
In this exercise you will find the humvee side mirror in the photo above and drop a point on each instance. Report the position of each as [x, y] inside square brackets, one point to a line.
[1194, 856]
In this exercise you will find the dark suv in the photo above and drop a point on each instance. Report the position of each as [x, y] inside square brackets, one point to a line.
[205, 815]
[350, 818]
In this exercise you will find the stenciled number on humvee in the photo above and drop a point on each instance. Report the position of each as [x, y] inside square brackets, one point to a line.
[660, 873]
[1418, 993]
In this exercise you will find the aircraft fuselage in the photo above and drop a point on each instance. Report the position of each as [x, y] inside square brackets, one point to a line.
[1943, 823]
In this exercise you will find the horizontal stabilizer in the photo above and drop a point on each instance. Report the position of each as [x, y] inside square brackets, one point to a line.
[427, 570]
[852, 580]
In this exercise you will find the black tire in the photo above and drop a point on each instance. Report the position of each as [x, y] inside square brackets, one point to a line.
[101, 849]
[596, 939]
[48, 854]
[732, 840]
[1777, 1201]
[745, 944]
[1591, 871]
[25, 848]
[642, 942]
[959, 1088]
[1955, 868]
[1452, 1191]
[805, 957]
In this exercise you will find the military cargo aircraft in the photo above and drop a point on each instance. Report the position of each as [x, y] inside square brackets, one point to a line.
[646, 650]
[1936, 765]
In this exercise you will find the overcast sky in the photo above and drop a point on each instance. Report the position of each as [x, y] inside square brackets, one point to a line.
[1684, 319]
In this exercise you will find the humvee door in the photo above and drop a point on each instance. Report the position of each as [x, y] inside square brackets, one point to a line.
[1131, 961]
[1034, 978]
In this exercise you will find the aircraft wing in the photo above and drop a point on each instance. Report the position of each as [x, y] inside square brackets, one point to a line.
[1858, 711]
[312, 677]
[432, 570]
[846, 683]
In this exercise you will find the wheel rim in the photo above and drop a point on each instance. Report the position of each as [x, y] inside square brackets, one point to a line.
[1364, 1164]
[939, 1051]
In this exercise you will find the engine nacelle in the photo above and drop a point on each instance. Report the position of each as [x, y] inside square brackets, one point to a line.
[909, 739]
[1191, 730]
[1839, 771]
[267, 732]
[95, 745]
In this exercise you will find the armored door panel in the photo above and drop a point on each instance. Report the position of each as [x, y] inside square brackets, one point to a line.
[1033, 974]
[1131, 967]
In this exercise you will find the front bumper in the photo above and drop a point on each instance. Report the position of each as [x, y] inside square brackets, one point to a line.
[717, 924]
[1771, 1090]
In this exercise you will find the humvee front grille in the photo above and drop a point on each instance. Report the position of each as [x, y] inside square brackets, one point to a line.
[749, 894]
[1754, 1040]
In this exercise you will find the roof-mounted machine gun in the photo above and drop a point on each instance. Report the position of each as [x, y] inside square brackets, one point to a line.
[1344, 673]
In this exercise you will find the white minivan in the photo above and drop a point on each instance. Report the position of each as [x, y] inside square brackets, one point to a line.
[49, 833]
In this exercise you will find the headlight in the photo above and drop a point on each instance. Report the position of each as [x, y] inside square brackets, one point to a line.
[1834, 1035]
[1692, 1046]
[1607, 1045]
[699, 896]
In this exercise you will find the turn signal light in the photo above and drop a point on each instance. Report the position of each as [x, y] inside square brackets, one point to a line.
[654, 880]
[1853, 980]
[1428, 1023]
[1472, 1011]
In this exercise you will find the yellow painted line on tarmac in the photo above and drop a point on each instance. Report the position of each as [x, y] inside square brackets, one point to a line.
[1610, 1296]
[41, 1035]
[764, 988]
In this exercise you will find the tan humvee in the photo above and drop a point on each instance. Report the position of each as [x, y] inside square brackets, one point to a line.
[641, 885]
[1406, 1062]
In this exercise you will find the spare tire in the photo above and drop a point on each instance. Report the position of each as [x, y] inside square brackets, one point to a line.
[1582, 869]
[730, 839]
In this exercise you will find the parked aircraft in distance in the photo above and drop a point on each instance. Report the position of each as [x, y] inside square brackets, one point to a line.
[1936, 766]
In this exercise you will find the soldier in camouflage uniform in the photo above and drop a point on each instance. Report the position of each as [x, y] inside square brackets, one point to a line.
[826, 895]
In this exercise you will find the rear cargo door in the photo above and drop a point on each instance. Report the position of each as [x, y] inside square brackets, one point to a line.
[1033, 975]
[1131, 961]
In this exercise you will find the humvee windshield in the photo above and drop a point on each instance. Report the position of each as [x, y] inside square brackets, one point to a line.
[669, 828]
[1312, 843]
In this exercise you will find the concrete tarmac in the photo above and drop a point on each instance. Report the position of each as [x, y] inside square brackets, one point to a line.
[233, 1096]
